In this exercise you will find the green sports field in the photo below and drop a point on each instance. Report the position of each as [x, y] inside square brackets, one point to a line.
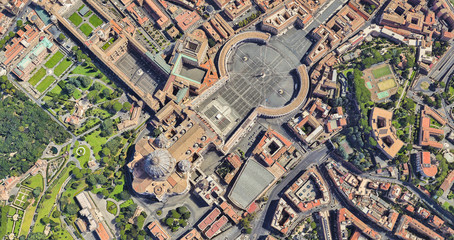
[381, 72]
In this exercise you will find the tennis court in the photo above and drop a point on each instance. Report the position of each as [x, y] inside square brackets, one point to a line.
[383, 94]
[387, 84]
[369, 85]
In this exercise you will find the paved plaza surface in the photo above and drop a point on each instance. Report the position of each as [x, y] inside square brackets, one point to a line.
[259, 75]
[140, 75]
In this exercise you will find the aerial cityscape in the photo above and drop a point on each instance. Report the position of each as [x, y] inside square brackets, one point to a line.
[227, 119]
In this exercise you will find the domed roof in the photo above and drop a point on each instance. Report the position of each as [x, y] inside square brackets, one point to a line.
[184, 165]
[161, 141]
[159, 164]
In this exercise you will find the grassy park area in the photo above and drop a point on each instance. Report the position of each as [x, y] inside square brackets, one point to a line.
[61, 68]
[381, 72]
[86, 29]
[47, 204]
[34, 181]
[95, 21]
[112, 207]
[75, 19]
[54, 60]
[45, 83]
[83, 154]
[37, 76]
[96, 142]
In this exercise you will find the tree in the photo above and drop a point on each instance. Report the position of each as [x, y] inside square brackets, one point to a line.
[186, 215]
[124, 195]
[105, 193]
[175, 214]
[19, 23]
[105, 92]
[97, 86]
[36, 191]
[70, 88]
[107, 128]
[116, 106]
[56, 214]
[106, 152]
[84, 81]
[45, 220]
[61, 37]
[170, 221]
[126, 106]
[71, 209]
[182, 210]
[91, 180]
[91, 96]
[101, 179]
[157, 132]
[36, 236]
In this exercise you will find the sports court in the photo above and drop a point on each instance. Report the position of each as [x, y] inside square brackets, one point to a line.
[380, 81]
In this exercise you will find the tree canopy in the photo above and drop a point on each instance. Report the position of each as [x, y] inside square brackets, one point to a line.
[25, 132]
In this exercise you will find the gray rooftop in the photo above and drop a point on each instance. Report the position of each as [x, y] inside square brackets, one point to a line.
[253, 180]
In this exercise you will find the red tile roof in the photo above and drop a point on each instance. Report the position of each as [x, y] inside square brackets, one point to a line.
[216, 227]
[209, 219]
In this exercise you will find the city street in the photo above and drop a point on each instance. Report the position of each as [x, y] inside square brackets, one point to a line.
[261, 224]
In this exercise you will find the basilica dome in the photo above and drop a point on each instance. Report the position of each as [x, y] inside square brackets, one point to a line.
[159, 164]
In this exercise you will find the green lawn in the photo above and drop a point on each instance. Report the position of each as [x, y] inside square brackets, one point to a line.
[85, 157]
[127, 203]
[35, 181]
[28, 217]
[54, 60]
[80, 8]
[381, 72]
[75, 19]
[45, 83]
[62, 234]
[112, 207]
[77, 94]
[17, 227]
[12, 211]
[47, 204]
[86, 29]
[108, 43]
[87, 71]
[57, 90]
[95, 21]
[61, 68]
[96, 142]
[118, 189]
[38, 76]
[9, 226]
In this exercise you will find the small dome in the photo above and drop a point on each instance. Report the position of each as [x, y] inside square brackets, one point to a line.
[159, 164]
[161, 141]
[209, 9]
[184, 165]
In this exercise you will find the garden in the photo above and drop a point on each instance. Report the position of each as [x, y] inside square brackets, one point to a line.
[85, 81]
[177, 218]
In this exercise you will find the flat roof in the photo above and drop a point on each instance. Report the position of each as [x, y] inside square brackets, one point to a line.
[252, 181]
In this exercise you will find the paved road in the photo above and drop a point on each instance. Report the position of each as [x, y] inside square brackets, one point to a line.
[261, 227]
[430, 203]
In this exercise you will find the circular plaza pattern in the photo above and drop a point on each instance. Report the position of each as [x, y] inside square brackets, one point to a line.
[261, 75]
